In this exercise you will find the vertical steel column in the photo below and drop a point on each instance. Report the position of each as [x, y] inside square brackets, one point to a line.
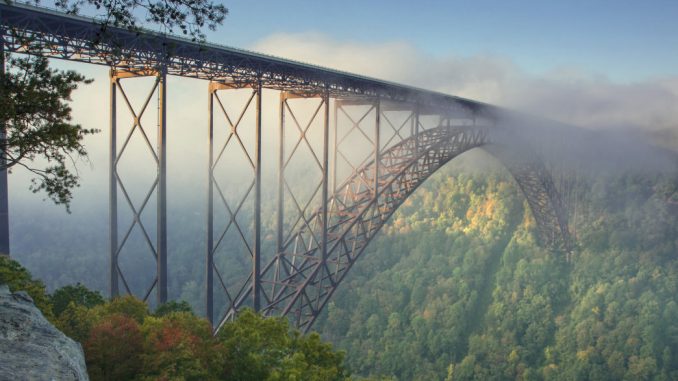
[416, 130]
[336, 146]
[256, 259]
[4, 194]
[326, 143]
[280, 214]
[162, 187]
[377, 148]
[209, 260]
[113, 189]
[281, 177]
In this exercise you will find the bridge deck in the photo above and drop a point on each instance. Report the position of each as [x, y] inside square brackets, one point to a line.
[58, 35]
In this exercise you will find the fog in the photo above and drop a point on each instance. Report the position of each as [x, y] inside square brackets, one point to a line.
[569, 95]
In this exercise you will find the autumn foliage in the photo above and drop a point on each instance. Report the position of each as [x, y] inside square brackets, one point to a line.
[123, 340]
[113, 349]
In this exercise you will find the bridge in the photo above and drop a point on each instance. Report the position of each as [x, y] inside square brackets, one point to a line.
[342, 170]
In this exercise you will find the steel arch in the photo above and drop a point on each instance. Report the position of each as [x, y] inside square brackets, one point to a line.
[299, 283]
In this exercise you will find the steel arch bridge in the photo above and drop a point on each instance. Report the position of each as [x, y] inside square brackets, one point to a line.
[364, 145]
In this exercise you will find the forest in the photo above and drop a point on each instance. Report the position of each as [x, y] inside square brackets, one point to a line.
[455, 287]
[123, 340]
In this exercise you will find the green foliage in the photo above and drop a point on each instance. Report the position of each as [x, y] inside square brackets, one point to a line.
[457, 289]
[264, 349]
[313, 360]
[77, 294]
[35, 113]
[126, 305]
[414, 302]
[76, 321]
[173, 306]
[122, 341]
[256, 346]
[190, 17]
[19, 279]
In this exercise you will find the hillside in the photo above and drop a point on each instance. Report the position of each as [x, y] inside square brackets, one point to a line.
[455, 287]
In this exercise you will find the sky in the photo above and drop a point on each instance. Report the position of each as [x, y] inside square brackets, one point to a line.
[624, 40]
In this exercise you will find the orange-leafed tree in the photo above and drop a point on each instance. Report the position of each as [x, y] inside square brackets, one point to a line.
[114, 348]
[180, 346]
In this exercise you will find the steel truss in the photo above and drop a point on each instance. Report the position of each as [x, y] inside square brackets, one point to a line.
[158, 186]
[34, 30]
[540, 192]
[320, 235]
[316, 251]
[357, 210]
[236, 294]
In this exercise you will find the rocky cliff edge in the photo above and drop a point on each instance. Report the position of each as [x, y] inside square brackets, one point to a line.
[30, 347]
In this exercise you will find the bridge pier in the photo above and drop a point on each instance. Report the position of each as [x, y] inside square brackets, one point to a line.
[256, 255]
[377, 148]
[236, 294]
[159, 186]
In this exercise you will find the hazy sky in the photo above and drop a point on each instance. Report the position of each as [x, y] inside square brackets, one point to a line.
[623, 39]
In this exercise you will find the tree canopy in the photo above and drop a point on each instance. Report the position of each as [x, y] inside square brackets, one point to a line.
[122, 340]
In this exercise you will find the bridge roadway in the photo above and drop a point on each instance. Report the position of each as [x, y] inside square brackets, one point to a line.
[76, 38]
[314, 252]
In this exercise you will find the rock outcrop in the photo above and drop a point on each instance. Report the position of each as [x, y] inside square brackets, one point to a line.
[30, 347]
